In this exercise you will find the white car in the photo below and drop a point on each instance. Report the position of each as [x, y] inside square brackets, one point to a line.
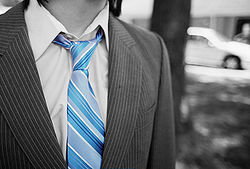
[206, 47]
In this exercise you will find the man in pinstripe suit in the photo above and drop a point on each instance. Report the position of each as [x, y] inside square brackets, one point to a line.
[129, 73]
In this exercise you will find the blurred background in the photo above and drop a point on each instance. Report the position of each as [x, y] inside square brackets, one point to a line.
[209, 48]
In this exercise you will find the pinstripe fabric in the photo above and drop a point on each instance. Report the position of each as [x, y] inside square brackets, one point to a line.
[139, 131]
[14, 160]
[138, 72]
[27, 110]
[124, 89]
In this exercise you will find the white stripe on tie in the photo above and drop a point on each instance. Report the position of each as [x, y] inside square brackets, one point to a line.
[86, 99]
[86, 130]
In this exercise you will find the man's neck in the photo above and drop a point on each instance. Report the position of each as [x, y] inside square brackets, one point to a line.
[75, 15]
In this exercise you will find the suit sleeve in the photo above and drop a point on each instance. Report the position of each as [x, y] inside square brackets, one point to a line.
[162, 150]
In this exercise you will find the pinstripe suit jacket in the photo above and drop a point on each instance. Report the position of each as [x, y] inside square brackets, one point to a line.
[139, 132]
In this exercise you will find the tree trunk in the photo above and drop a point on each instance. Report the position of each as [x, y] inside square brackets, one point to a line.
[170, 19]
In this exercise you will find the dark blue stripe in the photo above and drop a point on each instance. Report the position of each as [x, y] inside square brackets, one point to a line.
[87, 115]
[83, 132]
[75, 162]
[86, 72]
[84, 108]
[62, 41]
[81, 59]
[91, 90]
[76, 51]
[85, 128]
[78, 95]
[83, 63]
[81, 103]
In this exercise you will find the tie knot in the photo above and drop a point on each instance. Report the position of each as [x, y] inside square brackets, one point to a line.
[81, 51]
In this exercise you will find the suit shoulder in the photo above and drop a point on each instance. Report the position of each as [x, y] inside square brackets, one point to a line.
[152, 49]
[142, 35]
[3, 18]
[149, 43]
[11, 23]
[15, 12]
[13, 19]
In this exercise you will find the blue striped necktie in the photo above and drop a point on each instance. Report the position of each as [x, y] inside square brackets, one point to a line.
[85, 125]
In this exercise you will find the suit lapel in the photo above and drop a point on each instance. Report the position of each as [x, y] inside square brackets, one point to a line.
[23, 104]
[123, 95]
[22, 101]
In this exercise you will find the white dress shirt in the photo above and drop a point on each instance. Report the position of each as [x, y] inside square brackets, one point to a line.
[54, 63]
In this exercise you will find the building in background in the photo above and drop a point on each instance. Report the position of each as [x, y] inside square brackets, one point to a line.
[224, 16]
[137, 11]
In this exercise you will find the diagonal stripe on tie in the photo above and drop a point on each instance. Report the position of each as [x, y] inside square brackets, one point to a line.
[85, 124]
[84, 120]
[84, 106]
[76, 161]
[84, 131]
[78, 87]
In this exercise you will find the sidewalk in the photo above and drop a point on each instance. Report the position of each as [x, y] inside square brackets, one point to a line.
[219, 106]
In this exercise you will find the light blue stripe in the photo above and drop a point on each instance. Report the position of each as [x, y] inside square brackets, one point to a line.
[77, 78]
[87, 133]
[84, 128]
[62, 41]
[84, 107]
[77, 56]
[87, 115]
[82, 132]
[99, 134]
[76, 162]
[84, 61]
[79, 48]
[83, 149]
[77, 98]
[98, 37]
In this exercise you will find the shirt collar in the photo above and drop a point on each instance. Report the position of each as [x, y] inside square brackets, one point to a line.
[44, 27]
